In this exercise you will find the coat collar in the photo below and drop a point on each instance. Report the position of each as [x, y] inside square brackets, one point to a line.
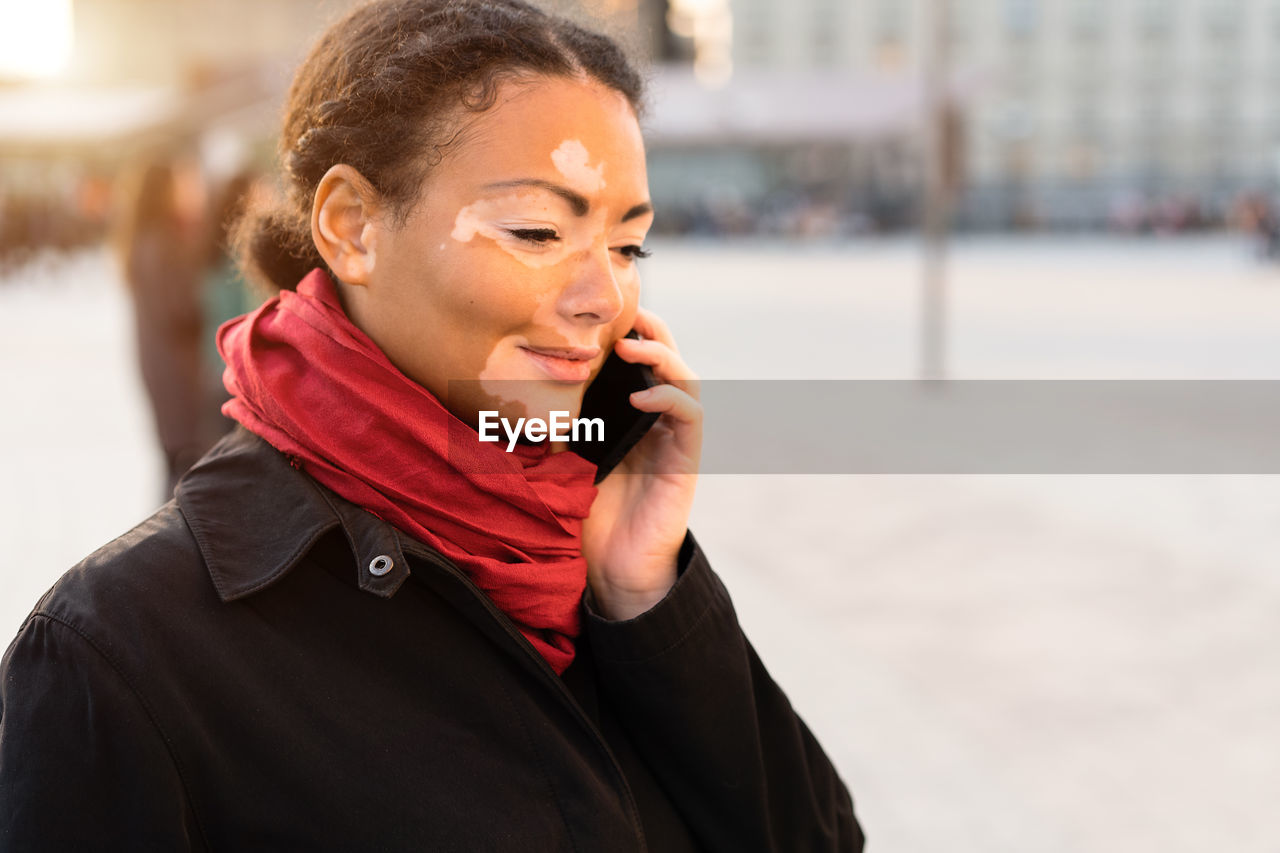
[254, 517]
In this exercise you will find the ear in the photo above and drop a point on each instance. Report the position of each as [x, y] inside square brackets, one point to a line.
[344, 223]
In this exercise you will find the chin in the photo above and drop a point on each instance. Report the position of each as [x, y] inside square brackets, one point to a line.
[515, 398]
[542, 405]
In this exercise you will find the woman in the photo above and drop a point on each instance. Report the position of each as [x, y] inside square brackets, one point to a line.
[359, 627]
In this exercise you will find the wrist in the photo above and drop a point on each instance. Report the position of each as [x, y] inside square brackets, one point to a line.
[619, 603]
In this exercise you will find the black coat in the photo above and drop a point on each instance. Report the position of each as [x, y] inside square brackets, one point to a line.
[231, 675]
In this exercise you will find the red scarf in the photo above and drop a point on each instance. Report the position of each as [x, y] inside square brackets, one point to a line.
[316, 388]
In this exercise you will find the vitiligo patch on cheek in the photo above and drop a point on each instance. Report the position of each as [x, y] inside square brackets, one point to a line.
[573, 161]
[493, 370]
[467, 224]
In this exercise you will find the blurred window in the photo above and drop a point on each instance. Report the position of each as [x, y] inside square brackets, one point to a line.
[1087, 91]
[1086, 18]
[1151, 139]
[1088, 60]
[1222, 119]
[752, 36]
[1156, 59]
[1222, 79]
[1218, 159]
[1155, 18]
[826, 46]
[960, 21]
[827, 28]
[890, 20]
[1154, 77]
[1086, 122]
[753, 49]
[1023, 66]
[1152, 114]
[1021, 17]
[1017, 122]
[1222, 17]
[1150, 156]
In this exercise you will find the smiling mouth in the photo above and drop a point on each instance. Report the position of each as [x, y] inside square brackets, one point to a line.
[563, 364]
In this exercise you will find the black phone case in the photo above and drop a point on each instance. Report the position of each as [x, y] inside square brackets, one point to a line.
[607, 398]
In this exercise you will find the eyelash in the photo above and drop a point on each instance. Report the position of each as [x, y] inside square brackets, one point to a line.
[540, 236]
[534, 235]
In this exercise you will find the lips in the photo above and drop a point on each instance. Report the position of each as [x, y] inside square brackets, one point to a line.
[564, 364]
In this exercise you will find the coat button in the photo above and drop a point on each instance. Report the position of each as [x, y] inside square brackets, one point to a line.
[381, 565]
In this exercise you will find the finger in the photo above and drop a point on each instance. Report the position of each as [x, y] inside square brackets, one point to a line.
[651, 326]
[669, 400]
[667, 364]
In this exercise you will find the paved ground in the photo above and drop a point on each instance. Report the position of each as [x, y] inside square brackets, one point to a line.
[995, 663]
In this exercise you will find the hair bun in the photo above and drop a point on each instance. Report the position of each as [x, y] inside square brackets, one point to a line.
[266, 243]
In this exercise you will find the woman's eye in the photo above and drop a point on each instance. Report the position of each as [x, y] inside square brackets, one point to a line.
[534, 235]
[634, 252]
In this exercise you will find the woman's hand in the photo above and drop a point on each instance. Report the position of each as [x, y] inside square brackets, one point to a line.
[639, 519]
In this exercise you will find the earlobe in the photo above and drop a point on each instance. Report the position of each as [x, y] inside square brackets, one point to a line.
[344, 224]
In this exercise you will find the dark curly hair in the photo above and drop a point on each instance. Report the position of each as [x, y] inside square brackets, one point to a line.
[382, 90]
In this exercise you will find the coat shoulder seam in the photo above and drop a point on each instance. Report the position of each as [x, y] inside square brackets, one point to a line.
[146, 706]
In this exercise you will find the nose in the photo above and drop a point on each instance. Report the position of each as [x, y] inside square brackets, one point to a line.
[593, 295]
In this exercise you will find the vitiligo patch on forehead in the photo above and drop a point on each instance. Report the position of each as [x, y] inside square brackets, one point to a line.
[572, 160]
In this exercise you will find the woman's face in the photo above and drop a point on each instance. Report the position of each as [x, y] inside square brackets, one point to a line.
[519, 261]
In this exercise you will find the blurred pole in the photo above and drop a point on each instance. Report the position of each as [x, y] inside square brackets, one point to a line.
[933, 338]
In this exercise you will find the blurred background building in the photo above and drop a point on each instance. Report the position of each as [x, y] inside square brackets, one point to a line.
[798, 118]
[1068, 114]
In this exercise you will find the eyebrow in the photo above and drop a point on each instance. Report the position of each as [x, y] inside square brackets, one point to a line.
[577, 202]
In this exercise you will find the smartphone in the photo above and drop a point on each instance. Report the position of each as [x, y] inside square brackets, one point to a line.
[608, 398]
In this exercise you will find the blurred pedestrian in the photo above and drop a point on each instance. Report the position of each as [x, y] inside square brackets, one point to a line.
[1255, 214]
[224, 293]
[160, 245]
